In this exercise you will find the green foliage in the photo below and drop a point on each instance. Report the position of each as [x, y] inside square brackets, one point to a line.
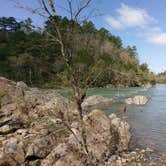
[161, 77]
[98, 57]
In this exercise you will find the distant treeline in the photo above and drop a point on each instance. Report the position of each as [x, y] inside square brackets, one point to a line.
[28, 54]
[161, 77]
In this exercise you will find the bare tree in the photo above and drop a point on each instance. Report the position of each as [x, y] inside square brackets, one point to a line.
[69, 49]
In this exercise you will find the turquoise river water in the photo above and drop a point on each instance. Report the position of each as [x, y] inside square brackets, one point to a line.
[148, 122]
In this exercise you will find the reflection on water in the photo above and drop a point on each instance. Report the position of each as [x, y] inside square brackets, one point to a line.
[148, 122]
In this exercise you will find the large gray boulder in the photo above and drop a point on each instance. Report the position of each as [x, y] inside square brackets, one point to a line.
[105, 134]
[96, 100]
[48, 102]
[100, 135]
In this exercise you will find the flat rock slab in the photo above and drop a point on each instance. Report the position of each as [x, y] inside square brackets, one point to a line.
[96, 100]
[137, 100]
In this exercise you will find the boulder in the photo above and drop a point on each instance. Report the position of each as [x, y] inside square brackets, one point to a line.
[15, 111]
[99, 138]
[137, 100]
[19, 103]
[104, 136]
[12, 104]
[21, 87]
[39, 148]
[46, 102]
[57, 153]
[7, 85]
[11, 87]
[98, 133]
[70, 159]
[12, 152]
[96, 100]
[63, 155]
[123, 129]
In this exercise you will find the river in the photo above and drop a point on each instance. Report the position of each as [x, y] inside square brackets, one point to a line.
[148, 122]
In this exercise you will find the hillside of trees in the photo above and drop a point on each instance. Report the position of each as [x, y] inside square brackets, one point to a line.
[29, 54]
[161, 77]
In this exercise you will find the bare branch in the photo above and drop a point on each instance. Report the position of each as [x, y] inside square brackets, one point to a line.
[80, 9]
[70, 8]
[49, 9]
[45, 7]
[52, 7]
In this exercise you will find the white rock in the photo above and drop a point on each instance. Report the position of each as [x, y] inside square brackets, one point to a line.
[137, 100]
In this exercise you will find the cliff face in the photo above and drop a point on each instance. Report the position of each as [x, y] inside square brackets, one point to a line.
[34, 132]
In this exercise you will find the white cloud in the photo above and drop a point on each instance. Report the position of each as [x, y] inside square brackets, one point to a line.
[129, 17]
[113, 22]
[156, 36]
[144, 24]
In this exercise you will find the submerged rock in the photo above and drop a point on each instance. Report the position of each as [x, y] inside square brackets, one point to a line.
[96, 100]
[137, 100]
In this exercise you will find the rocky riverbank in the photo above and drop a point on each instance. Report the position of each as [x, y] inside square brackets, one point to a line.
[42, 128]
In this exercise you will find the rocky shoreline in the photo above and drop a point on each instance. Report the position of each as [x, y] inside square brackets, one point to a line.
[34, 133]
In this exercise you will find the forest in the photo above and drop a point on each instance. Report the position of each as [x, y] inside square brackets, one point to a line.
[161, 77]
[29, 53]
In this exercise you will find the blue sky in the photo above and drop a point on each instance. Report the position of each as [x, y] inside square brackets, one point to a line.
[138, 22]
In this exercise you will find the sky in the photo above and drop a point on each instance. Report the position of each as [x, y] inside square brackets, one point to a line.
[138, 22]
